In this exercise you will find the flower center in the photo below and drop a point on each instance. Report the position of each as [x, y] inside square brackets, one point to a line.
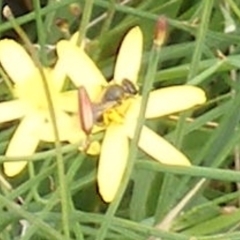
[116, 114]
[114, 102]
[32, 91]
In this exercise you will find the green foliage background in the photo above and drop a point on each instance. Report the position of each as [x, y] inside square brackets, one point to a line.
[179, 203]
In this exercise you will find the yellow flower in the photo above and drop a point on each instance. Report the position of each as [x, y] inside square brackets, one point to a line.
[30, 105]
[115, 145]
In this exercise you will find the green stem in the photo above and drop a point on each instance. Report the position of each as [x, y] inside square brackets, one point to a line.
[207, 7]
[1, 20]
[61, 173]
[85, 20]
[234, 7]
[152, 68]
[32, 218]
[110, 14]
[40, 31]
[106, 25]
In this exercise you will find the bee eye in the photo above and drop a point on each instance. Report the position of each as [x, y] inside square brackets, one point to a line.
[129, 87]
[113, 93]
[85, 110]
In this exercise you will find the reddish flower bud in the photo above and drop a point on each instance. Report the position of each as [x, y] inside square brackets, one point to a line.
[160, 31]
[85, 110]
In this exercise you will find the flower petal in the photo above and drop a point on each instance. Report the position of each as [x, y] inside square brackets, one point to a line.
[68, 128]
[74, 39]
[15, 61]
[160, 149]
[23, 143]
[12, 110]
[58, 75]
[169, 100]
[112, 161]
[129, 56]
[93, 148]
[80, 68]
[68, 101]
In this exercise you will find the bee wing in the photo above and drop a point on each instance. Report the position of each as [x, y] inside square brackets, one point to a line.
[129, 56]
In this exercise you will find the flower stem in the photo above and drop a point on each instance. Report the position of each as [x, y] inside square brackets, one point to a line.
[105, 27]
[61, 174]
[40, 31]
[147, 85]
[85, 20]
[110, 14]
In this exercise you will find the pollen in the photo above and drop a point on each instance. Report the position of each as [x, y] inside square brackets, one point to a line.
[117, 113]
[112, 115]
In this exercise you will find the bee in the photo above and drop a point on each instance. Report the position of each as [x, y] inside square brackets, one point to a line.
[92, 112]
[117, 93]
[113, 96]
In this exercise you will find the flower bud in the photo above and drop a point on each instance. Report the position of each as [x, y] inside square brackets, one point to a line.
[75, 9]
[160, 31]
[85, 110]
[62, 24]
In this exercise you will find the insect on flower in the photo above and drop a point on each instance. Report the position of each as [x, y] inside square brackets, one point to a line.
[91, 113]
[123, 109]
[117, 93]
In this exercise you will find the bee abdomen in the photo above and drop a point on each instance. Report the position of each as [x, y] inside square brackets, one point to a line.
[113, 93]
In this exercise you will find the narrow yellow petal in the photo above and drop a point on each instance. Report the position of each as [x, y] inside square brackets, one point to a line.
[15, 61]
[68, 101]
[74, 133]
[12, 110]
[59, 72]
[174, 99]
[58, 75]
[80, 68]
[169, 100]
[129, 56]
[23, 143]
[160, 149]
[98, 128]
[94, 148]
[74, 39]
[113, 160]
[68, 128]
